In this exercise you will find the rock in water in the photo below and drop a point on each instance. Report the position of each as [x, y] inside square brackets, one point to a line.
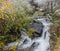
[41, 43]
[38, 27]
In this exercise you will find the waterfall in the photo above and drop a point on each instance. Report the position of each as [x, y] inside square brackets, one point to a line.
[41, 43]
[44, 39]
[38, 43]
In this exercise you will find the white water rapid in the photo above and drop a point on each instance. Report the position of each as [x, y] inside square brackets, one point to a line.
[36, 44]
[40, 43]
[44, 39]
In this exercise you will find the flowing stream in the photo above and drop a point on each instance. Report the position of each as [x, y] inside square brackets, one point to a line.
[38, 43]
[44, 39]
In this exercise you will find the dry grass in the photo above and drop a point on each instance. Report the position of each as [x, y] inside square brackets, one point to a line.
[57, 46]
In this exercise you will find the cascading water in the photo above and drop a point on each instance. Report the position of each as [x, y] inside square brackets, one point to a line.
[44, 39]
[38, 43]
[41, 43]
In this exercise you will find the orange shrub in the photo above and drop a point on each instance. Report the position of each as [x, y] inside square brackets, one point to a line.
[6, 9]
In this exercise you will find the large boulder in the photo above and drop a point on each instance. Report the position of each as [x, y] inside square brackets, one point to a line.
[38, 28]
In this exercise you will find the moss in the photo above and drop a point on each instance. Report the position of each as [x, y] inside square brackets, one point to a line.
[30, 32]
[13, 48]
[2, 45]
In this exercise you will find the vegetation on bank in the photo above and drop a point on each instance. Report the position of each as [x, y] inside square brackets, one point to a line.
[15, 17]
[12, 21]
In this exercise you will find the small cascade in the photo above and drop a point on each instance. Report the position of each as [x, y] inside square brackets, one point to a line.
[39, 43]
[44, 39]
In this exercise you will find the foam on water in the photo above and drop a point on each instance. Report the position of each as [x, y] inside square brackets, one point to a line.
[44, 42]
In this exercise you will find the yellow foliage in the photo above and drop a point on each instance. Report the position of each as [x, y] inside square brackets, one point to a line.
[1, 0]
[1, 9]
[30, 31]
[2, 45]
[6, 7]
[13, 48]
